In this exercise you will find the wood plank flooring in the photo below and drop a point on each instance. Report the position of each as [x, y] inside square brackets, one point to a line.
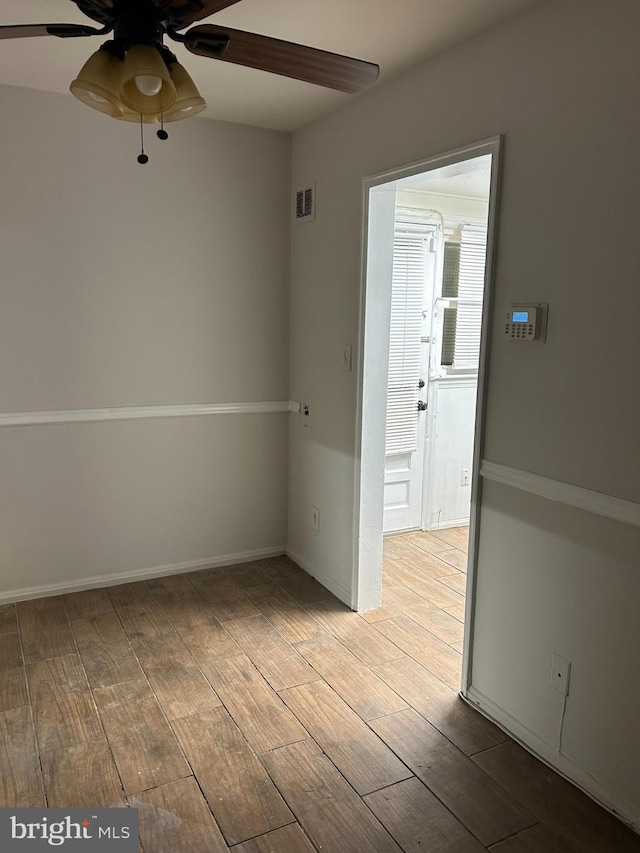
[246, 709]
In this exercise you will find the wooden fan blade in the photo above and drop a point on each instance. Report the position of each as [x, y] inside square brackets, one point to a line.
[21, 31]
[185, 12]
[98, 10]
[283, 57]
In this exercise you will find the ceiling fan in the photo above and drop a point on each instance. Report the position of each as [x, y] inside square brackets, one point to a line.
[135, 77]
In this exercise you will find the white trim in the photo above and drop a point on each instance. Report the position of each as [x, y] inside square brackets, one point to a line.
[370, 404]
[481, 408]
[598, 503]
[446, 525]
[466, 380]
[548, 754]
[99, 581]
[340, 591]
[129, 413]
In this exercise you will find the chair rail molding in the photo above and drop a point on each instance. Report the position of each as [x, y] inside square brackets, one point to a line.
[129, 413]
[598, 503]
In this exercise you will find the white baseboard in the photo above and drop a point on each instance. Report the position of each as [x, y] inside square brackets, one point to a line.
[447, 525]
[98, 581]
[548, 754]
[340, 591]
[443, 525]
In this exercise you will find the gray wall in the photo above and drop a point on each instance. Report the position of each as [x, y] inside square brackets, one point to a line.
[124, 286]
[128, 285]
[560, 82]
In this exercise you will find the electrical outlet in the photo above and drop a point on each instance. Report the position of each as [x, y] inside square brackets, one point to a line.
[560, 673]
[315, 518]
[465, 477]
[305, 411]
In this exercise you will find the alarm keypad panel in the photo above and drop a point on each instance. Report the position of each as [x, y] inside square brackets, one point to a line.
[526, 322]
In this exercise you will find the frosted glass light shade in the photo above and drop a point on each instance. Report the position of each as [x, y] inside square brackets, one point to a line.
[98, 83]
[189, 101]
[143, 60]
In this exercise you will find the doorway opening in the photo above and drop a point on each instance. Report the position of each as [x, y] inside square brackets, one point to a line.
[437, 291]
[429, 231]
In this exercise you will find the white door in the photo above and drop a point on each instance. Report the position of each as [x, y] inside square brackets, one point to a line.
[414, 270]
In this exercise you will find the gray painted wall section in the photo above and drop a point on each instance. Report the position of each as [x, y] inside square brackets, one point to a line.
[560, 82]
[124, 286]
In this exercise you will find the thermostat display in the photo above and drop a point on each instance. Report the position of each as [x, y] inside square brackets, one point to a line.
[527, 322]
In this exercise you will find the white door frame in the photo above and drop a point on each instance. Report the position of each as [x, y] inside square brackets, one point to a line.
[373, 348]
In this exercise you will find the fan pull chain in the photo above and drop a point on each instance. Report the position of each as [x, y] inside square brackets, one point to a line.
[142, 157]
[162, 133]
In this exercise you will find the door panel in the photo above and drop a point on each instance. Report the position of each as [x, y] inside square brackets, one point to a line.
[414, 266]
[402, 491]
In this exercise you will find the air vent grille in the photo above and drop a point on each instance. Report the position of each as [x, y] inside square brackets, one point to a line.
[306, 204]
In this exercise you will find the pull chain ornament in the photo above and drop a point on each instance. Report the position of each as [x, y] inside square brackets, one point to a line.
[142, 157]
[162, 133]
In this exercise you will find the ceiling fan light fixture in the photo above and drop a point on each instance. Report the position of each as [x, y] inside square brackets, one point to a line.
[98, 83]
[147, 87]
[134, 77]
[147, 118]
[189, 101]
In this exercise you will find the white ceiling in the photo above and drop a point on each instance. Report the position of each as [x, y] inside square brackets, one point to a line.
[466, 179]
[397, 34]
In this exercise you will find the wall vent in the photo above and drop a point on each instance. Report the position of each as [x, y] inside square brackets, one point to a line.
[306, 204]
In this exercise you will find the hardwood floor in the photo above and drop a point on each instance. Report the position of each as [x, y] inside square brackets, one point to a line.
[246, 709]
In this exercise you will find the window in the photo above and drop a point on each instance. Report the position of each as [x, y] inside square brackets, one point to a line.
[463, 284]
[461, 297]
[450, 280]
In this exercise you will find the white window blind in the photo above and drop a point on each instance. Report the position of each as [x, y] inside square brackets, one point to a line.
[407, 298]
[473, 249]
